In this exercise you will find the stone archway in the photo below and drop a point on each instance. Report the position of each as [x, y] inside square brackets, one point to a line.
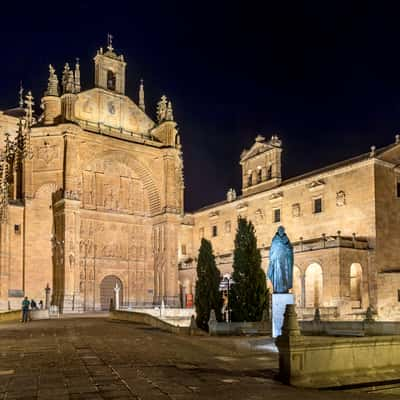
[356, 285]
[298, 286]
[107, 292]
[313, 285]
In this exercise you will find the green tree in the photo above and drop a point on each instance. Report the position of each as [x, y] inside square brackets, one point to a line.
[207, 296]
[249, 294]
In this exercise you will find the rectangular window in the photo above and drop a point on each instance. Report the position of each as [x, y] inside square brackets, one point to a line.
[317, 205]
[249, 180]
[277, 215]
[201, 233]
[227, 226]
[183, 249]
[214, 231]
[398, 188]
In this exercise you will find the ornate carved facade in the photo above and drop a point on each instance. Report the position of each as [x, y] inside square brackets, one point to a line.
[101, 195]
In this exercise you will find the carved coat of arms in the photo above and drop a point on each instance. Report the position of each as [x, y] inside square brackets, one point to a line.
[48, 152]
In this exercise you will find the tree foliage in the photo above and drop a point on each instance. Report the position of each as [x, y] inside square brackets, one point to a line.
[207, 296]
[249, 294]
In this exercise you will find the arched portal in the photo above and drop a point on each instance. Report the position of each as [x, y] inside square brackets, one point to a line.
[297, 286]
[313, 285]
[107, 292]
[355, 284]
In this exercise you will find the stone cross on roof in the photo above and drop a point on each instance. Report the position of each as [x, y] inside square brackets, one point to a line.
[109, 42]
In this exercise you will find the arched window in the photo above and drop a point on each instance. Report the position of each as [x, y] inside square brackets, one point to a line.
[111, 80]
[313, 285]
[355, 285]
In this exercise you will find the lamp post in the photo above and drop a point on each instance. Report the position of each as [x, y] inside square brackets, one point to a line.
[226, 284]
[47, 298]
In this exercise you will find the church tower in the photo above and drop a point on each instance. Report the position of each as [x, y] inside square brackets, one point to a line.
[110, 69]
[261, 165]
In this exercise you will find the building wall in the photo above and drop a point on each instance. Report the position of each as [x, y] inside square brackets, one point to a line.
[357, 215]
[348, 206]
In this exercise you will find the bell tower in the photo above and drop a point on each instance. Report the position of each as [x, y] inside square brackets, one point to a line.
[110, 69]
[261, 165]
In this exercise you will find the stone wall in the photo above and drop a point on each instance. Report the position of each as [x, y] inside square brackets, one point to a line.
[324, 362]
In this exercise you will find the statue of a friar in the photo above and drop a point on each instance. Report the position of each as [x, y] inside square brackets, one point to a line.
[280, 270]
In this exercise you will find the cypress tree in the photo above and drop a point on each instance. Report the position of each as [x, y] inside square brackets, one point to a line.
[249, 294]
[207, 296]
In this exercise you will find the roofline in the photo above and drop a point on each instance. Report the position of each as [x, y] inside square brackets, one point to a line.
[330, 167]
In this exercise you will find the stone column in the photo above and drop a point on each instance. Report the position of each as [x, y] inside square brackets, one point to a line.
[71, 298]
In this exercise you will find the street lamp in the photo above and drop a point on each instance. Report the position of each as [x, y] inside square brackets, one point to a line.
[226, 284]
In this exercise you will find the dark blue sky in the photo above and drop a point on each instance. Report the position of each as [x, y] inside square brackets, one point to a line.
[323, 75]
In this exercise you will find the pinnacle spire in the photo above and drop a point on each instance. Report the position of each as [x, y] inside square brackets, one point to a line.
[52, 86]
[65, 77]
[29, 108]
[162, 109]
[141, 96]
[169, 116]
[21, 95]
[77, 77]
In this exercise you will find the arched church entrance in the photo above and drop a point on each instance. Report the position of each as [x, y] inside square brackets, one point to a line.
[108, 288]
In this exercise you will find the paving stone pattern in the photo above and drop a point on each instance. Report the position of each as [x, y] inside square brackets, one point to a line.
[95, 359]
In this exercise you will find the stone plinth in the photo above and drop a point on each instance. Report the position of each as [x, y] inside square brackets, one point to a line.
[279, 302]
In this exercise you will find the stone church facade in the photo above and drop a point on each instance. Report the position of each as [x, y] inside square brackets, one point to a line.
[91, 199]
[92, 195]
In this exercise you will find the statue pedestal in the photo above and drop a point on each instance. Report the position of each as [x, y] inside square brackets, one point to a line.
[279, 301]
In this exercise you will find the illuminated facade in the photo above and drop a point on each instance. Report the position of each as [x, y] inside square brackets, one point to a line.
[97, 202]
[342, 220]
[91, 199]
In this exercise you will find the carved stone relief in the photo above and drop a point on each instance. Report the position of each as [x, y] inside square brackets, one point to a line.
[340, 198]
[296, 210]
[113, 187]
[259, 216]
[47, 152]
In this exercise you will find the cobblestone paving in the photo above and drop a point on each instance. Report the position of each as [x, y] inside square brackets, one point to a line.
[98, 359]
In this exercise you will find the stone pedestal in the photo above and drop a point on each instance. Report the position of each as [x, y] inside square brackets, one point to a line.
[279, 302]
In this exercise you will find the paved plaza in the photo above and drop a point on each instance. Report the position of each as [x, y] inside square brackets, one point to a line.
[93, 358]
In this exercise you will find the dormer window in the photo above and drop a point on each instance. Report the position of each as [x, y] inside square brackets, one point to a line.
[111, 80]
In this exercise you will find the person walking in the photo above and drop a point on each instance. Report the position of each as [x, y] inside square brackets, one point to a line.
[25, 309]
[33, 305]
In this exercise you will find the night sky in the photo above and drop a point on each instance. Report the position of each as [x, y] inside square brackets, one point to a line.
[323, 75]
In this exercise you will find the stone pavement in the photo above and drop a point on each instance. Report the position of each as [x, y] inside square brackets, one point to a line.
[93, 358]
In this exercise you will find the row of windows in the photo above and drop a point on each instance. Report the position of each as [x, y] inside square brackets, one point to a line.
[276, 217]
[317, 208]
